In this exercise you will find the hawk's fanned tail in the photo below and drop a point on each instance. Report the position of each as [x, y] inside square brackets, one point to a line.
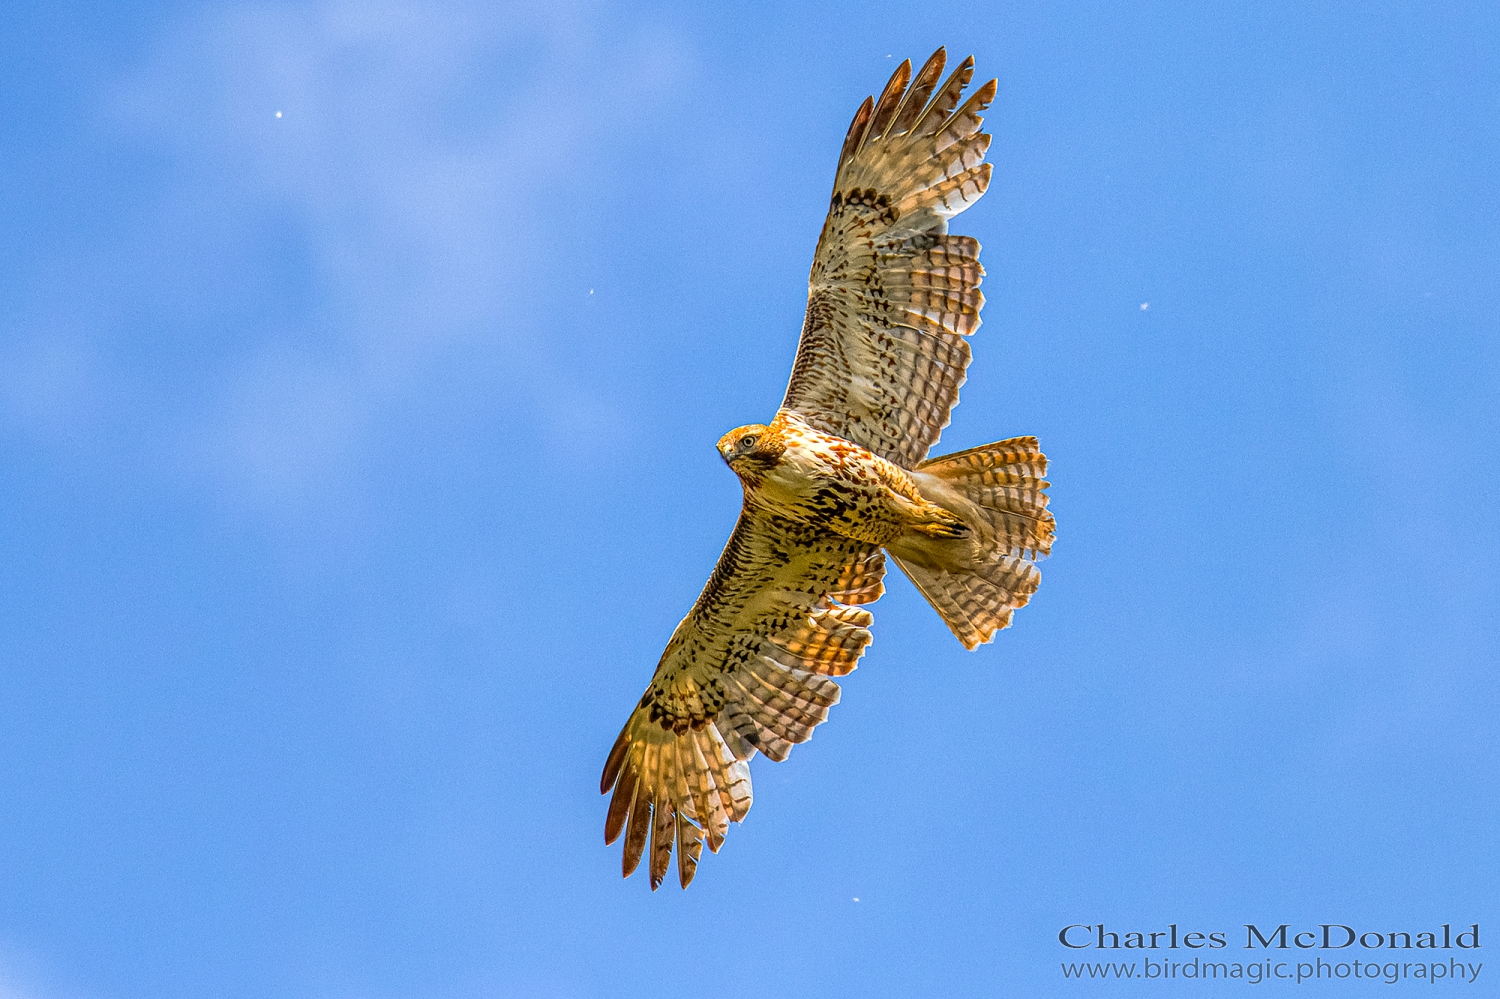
[1006, 481]
[976, 583]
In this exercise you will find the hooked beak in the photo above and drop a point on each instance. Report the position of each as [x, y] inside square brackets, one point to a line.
[726, 450]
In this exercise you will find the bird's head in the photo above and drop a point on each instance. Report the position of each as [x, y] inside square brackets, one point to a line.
[751, 450]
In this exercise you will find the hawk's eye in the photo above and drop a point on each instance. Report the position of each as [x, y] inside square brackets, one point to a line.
[747, 442]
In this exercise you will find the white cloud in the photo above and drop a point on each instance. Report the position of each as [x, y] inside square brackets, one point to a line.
[22, 976]
[433, 161]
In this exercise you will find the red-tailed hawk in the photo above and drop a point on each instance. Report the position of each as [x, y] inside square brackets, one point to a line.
[839, 478]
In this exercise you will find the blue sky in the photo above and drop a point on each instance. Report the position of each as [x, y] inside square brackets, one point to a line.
[360, 370]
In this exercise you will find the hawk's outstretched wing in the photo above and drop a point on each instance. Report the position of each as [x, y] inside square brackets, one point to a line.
[746, 670]
[892, 296]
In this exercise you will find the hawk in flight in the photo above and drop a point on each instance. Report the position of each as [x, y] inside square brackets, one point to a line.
[839, 479]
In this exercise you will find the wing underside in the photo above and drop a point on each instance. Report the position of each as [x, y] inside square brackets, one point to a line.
[891, 295]
[748, 670]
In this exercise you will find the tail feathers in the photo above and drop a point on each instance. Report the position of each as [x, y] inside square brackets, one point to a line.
[975, 603]
[1004, 486]
[999, 491]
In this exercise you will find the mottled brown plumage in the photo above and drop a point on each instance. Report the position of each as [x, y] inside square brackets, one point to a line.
[839, 478]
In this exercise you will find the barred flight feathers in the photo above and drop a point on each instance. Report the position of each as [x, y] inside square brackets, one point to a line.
[891, 295]
[746, 671]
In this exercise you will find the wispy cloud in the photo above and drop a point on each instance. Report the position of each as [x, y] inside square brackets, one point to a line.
[22, 977]
[384, 186]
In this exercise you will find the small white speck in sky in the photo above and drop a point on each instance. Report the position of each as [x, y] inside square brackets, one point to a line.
[591, 291]
[1145, 306]
[278, 114]
[856, 900]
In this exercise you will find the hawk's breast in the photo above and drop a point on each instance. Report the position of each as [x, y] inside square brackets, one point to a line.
[832, 483]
